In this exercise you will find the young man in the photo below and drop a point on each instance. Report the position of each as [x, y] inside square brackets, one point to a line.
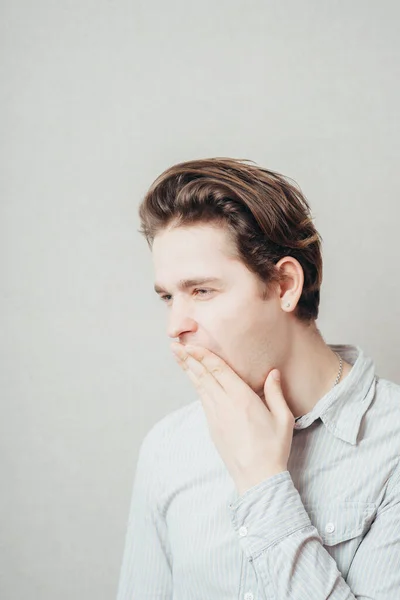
[263, 488]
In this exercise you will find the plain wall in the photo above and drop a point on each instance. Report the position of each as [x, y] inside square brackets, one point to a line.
[97, 98]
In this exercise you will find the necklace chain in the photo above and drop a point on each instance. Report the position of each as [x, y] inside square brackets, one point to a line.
[338, 375]
[340, 369]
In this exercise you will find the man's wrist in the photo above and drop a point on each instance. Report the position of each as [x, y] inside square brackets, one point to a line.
[245, 484]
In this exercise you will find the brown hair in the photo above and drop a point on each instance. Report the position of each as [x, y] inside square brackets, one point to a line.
[266, 214]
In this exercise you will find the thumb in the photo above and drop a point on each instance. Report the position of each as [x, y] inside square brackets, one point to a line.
[273, 394]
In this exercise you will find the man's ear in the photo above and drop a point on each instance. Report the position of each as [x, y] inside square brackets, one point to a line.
[292, 281]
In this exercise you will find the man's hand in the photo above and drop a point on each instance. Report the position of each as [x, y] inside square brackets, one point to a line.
[252, 438]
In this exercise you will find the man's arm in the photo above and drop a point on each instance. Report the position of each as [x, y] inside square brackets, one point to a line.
[288, 556]
[146, 565]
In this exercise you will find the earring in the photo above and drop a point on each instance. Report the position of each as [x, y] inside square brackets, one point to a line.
[288, 305]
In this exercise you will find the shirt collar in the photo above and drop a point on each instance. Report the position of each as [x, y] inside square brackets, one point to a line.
[343, 407]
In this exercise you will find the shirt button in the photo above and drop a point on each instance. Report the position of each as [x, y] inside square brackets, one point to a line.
[330, 528]
[248, 596]
[243, 531]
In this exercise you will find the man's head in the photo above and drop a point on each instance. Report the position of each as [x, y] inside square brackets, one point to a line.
[233, 244]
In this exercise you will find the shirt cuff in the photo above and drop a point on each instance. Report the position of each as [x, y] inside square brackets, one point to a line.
[268, 512]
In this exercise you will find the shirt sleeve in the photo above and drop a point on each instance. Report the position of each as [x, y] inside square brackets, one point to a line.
[146, 565]
[287, 553]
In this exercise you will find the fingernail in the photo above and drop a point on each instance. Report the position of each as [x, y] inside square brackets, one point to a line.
[276, 375]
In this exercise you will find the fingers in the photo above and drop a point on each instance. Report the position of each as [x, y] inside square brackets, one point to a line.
[218, 368]
[203, 379]
[274, 396]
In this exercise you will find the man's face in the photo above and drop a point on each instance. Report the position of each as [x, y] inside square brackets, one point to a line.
[214, 301]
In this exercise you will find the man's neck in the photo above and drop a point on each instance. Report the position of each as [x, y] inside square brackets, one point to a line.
[310, 371]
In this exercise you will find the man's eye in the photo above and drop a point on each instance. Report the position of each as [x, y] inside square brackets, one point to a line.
[197, 292]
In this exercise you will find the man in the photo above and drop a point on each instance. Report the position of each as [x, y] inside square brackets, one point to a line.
[265, 487]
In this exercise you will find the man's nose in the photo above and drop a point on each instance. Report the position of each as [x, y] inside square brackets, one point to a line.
[180, 322]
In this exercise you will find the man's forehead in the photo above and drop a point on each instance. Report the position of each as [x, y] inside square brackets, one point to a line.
[197, 233]
[180, 264]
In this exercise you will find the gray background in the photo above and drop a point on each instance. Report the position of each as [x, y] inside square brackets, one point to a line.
[97, 98]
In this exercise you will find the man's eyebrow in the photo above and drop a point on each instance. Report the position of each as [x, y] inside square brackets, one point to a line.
[185, 284]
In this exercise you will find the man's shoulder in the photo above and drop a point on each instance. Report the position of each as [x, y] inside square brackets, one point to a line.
[386, 408]
[390, 390]
[176, 426]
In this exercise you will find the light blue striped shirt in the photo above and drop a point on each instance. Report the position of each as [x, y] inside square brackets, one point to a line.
[328, 527]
